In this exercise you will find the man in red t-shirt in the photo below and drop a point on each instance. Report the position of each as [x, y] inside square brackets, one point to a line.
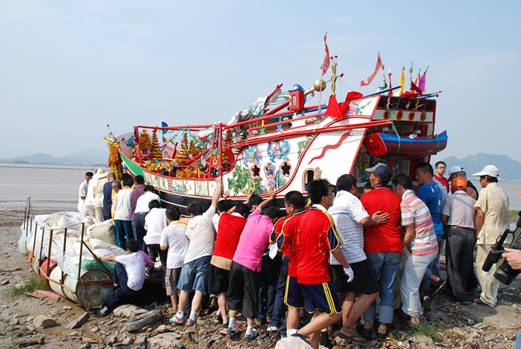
[309, 244]
[441, 167]
[295, 204]
[383, 246]
[229, 231]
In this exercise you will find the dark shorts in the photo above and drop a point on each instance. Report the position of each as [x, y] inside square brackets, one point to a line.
[321, 297]
[242, 290]
[364, 281]
[218, 280]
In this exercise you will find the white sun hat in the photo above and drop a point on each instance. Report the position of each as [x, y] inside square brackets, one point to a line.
[489, 170]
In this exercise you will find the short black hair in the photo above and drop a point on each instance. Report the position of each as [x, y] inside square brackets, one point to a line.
[116, 184]
[172, 213]
[254, 200]
[139, 179]
[295, 198]
[195, 209]
[317, 189]
[224, 205]
[89, 174]
[345, 182]
[150, 188]
[403, 180]
[242, 209]
[154, 204]
[272, 212]
[440, 162]
[132, 245]
[127, 181]
[425, 167]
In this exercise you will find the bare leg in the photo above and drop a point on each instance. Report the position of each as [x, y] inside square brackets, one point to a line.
[359, 307]
[221, 300]
[173, 299]
[319, 321]
[196, 302]
[347, 304]
[293, 319]
[183, 300]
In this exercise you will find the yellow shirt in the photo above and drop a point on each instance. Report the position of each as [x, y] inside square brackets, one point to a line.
[493, 201]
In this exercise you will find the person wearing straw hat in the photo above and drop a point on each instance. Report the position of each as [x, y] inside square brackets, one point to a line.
[491, 221]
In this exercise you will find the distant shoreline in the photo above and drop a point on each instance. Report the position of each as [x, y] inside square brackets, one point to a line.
[51, 166]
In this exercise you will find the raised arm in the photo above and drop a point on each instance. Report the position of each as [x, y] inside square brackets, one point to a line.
[217, 192]
[266, 201]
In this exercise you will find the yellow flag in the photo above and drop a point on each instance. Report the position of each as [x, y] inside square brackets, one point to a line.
[401, 82]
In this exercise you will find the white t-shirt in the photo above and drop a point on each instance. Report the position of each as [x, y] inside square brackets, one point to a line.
[459, 207]
[347, 212]
[143, 201]
[122, 209]
[155, 222]
[82, 191]
[200, 232]
[134, 264]
[174, 237]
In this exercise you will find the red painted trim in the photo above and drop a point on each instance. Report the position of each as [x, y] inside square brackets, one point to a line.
[331, 146]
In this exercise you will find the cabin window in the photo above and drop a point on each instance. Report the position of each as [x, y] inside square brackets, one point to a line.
[308, 177]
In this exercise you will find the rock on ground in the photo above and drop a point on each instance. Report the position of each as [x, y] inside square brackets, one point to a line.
[42, 321]
[78, 321]
[165, 341]
[129, 311]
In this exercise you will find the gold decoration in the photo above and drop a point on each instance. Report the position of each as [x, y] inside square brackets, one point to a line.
[319, 85]
[333, 78]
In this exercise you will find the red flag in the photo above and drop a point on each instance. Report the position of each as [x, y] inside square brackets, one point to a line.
[390, 82]
[327, 61]
[415, 88]
[371, 77]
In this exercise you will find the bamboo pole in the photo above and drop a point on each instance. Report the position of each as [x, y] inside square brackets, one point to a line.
[63, 252]
[81, 249]
[49, 254]
[41, 246]
[34, 240]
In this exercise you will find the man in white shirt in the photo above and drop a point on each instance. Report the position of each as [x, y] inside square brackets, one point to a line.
[138, 222]
[123, 212]
[196, 268]
[350, 217]
[492, 219]
[155, 222]
[94, 200]
[173, 240]
[82, 193]
[128, 277]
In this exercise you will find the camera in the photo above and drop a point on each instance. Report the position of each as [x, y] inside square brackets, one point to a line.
[504, 272]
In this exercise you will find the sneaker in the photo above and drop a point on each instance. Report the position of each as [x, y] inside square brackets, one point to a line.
[364, 332]
[479, 301]
[233, 333]
[103, 312]
[177, 320]
[272, 329]
[252, 336]
[190, 322]
[217, 318]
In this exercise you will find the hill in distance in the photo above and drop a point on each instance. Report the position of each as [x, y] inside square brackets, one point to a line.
[508, 167]
[82, 157]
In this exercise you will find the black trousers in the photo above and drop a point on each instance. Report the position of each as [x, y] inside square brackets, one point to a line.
[121, 294]
[460, 261]
[242, 290]
[154, 250]
[138, 226]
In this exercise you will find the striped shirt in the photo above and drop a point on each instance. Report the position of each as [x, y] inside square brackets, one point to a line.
[415, 211]
[348, 212]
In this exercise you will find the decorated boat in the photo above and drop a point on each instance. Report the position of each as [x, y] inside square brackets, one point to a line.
[279, 141]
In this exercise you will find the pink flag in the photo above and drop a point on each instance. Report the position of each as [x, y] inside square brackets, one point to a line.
[327, 61]
[371, 77]
[421, 82]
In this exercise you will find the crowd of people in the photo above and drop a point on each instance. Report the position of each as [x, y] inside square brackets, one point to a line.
[331, 258]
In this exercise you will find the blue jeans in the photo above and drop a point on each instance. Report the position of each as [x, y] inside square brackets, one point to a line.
[518, 341]
[268, 283]
[195, 274]
[123, 232]
[277, 316]
[122, 294]
[385, 266]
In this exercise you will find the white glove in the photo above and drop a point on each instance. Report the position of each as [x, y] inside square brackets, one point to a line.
[350, 273]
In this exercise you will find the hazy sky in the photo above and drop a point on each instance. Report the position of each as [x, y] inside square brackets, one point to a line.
[67, 68]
